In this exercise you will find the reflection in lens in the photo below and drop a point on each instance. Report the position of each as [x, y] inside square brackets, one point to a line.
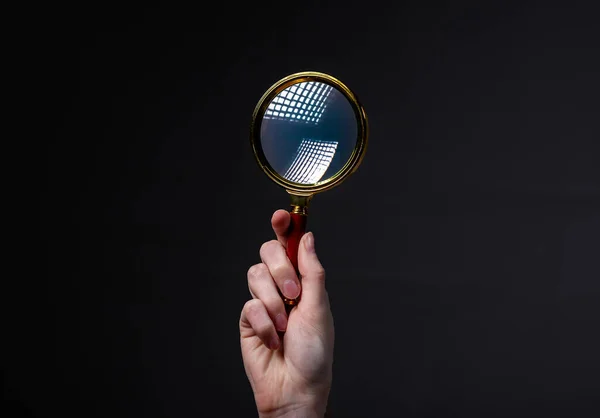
[302, 102]
[311, 161]
[308, 132]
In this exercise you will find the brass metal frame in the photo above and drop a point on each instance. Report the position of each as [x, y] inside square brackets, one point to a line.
[302, 193]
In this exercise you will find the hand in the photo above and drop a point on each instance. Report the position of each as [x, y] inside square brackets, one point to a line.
[290, 373]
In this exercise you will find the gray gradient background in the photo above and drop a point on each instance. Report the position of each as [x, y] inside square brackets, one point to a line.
[462, 257]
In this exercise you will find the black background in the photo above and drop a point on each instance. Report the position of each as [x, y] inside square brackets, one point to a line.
[462, 257]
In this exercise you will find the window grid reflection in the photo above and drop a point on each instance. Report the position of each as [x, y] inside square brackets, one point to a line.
[302, 102]
[311, 161]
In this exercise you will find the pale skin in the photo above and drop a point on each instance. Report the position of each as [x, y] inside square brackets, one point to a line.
[288, 358]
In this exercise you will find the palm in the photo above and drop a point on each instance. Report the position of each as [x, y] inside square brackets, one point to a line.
[282, 376]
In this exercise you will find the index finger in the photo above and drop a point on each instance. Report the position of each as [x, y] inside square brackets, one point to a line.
[280, 221]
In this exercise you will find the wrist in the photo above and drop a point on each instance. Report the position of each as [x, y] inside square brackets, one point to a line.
[303, 411]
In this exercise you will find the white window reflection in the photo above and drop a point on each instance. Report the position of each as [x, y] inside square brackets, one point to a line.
[311, 161]
[308, 98]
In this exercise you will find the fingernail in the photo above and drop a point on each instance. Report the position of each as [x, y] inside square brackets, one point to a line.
[309, 241]
[274, 345]
[280, 322]
[291, 289]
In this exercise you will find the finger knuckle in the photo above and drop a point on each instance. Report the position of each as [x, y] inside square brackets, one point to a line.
[319, 273]
[257, 271]
[281, 272]
[252, 308]
[269, 247]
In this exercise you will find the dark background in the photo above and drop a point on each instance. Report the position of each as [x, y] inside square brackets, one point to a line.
[462, 257]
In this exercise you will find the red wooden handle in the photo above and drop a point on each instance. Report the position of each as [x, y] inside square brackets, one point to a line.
[295, 232]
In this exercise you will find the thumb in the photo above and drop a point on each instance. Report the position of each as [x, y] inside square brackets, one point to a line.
[312, 272]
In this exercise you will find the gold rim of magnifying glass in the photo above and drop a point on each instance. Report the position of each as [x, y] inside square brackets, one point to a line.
[353, 162]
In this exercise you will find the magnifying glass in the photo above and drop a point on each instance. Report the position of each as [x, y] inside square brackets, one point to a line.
[308, 133]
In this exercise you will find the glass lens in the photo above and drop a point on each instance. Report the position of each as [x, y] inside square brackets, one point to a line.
[308, 132]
